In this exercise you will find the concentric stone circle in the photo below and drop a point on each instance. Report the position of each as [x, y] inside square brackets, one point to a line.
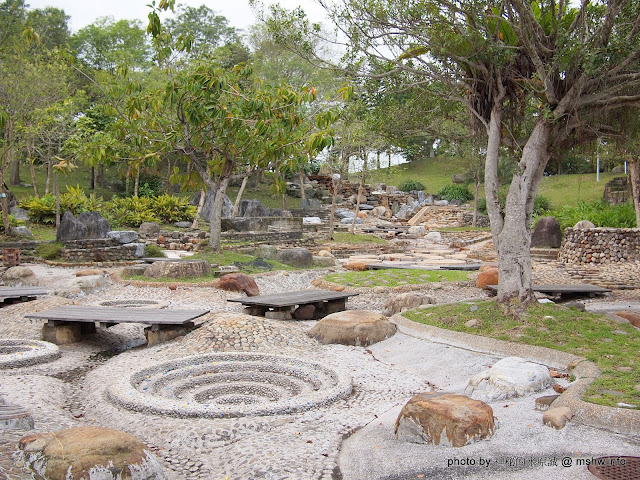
[232, 384]
[132, 303]
[23, 352]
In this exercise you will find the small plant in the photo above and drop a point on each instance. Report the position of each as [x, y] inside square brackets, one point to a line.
[411, 185]
[600, 213]
[49, 251]
[152, 250]
[13, 222]
[541, 205]
[456, 191]
[130, 212]
[41, 210]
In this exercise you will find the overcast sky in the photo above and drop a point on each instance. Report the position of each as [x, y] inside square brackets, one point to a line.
[84, 12]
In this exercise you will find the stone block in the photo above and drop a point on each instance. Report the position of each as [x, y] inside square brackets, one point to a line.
[62, 334]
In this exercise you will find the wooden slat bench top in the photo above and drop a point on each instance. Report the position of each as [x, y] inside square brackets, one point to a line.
[285, 299]
[17, 292]
[79, 313]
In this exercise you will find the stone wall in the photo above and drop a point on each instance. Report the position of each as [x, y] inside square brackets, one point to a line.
[97, 250]
[600, 245]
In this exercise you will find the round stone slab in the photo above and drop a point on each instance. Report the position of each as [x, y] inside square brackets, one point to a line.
[230, 385]
[21, 352]
[14, 417]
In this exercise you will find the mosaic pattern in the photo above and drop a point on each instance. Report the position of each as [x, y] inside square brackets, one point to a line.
[21, 353]
[230, 385]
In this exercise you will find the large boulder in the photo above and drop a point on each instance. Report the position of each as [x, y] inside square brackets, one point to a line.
[547, 233]
[149, 228]
[19, 214]
[633, 317]
[353, 327]
[21, 231]
[88, 225]
[509, 377]
[207, 207]
[238, 282]
[296, 257]
[124, 236]
[444, 419]
[252, 208]
[19, 277]
[178, 269]
[583, 224]
[434, 237]
[93, 453]
[487, 277]
[406, 301]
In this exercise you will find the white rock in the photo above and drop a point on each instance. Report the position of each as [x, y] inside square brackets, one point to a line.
[509, 377]
[311, 221]
[434, 237]
[417, 230]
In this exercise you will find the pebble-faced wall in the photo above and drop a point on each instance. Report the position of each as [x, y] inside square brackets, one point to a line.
[600, 245]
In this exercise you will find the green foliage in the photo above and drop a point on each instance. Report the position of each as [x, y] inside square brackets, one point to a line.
[170, 209]
[49, 251]
[395, 277]
[152, 250]
[13, 222]
[411, 185]
[600, 213]
[130, 211]
[41, 210]
[551, 326]
[456, 191]
[541, 205]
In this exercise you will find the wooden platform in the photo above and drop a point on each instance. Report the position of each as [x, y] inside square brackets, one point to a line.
[78, 320]
[580, 289]
[280, 305]
[9, 295]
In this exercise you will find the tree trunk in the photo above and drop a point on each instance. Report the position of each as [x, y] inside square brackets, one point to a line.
[94, 179]
[196, 217]
[47, 185]
[56, 192]
[136, 185]
[32, 167]
[301, 176]
[514, 254]
[215, 222]
[14, 175]
[127, 180]
[245, 179]
[634, 175]
[5, 158]
[334, 194]
[360, 186]
[168, 184]
[476, 187]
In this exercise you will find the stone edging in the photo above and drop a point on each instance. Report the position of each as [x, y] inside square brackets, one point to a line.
[618, 420]
[106, 264]
[28, 352]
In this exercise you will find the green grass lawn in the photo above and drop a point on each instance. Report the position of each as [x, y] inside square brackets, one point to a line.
[394, 277]
[614, 348]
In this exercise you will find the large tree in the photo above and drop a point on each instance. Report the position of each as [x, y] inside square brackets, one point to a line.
[538, 77]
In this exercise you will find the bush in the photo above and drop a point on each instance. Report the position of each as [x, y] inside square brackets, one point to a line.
[153, 251]
[456, 192]
[411, 185]
[49, 251]
[170, 209]
[43, 210]
[600, 213]
[541, 205]
[130, 211]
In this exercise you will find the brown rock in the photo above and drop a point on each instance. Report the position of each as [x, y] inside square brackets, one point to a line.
[558, 388]
[543, 403]
[161, 240]
[88, 272]
[304, 312]
[239, 282]
[462, 420]
[557, 417]
[357, 266]
[172, 286]
[76, 451]
[353, 327]
[488, 277]
[405, 301]
[19, 277]
[633, 317]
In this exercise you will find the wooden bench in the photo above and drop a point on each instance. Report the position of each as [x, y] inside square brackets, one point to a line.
[68, 324]
[580, 289]
[9, 295]
[279, 306]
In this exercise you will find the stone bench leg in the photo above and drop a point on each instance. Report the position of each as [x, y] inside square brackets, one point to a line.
[279, 314]
[64, 333]
[163, 333]
[334, 306]
[255, 311]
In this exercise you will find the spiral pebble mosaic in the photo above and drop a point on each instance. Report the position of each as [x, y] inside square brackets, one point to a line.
[230, 385]
[21, 353]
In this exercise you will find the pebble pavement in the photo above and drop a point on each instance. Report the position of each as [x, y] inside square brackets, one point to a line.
[72, 390]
